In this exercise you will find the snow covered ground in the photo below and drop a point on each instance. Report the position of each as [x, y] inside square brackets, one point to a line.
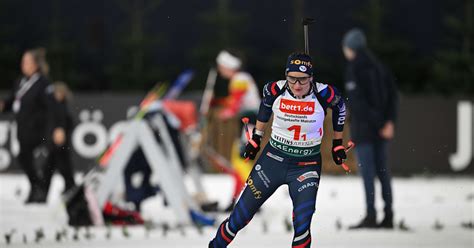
[419, 202]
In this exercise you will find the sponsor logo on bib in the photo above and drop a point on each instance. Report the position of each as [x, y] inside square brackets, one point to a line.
[296, 107]
[257, 194]
[307, 186]
[309, 174]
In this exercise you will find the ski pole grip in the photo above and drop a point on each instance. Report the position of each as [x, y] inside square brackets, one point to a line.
[245, 120]
[350, 145]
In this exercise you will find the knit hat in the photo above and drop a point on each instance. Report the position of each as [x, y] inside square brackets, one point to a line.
[354, 39]
[299, 62]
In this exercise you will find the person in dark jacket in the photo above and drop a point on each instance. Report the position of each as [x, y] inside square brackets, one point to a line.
[59, 150]
[32, 103]
[373, 103]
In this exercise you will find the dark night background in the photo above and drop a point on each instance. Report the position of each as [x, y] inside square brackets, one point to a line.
[131, 44]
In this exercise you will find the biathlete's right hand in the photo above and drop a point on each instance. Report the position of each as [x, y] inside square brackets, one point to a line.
[250, 150]
[338, 152]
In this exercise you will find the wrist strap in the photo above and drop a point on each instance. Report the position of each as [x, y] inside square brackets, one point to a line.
[336, 142]
[259, 133]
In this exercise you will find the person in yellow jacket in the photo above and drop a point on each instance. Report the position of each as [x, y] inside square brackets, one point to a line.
[243, 100]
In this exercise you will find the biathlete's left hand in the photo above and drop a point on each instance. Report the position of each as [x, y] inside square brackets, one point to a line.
[338, 151]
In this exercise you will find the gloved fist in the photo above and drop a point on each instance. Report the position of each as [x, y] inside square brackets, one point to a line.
[338, 151]
[250, 150]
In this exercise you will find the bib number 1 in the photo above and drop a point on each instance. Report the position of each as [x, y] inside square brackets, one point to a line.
[297, 129]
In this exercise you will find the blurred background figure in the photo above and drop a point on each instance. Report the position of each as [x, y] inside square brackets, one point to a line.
[33, 104]
[243, 100]
[59, 156]
[373, 103]
[244, 97]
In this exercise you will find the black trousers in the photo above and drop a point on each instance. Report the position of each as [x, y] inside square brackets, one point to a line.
[25, 158]
[59, 158]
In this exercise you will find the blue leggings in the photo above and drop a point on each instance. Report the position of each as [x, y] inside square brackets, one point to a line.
[272, 170]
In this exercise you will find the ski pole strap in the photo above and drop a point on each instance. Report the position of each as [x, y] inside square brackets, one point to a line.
[337, 148]
[251, 141]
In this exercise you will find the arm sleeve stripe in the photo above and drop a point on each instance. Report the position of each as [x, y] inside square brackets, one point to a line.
[274, 92]
[332, 94]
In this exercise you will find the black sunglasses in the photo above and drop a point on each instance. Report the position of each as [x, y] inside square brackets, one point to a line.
[301, 80]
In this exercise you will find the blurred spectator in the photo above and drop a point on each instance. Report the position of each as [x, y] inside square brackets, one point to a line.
[243, 101]
[59, 151]
[244, 97]
[373, 102]
[32, 102]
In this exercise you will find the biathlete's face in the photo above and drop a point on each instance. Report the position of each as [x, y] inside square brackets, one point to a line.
[299, 83]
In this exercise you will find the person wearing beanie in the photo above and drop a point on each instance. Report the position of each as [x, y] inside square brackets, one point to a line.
[292, 156]
[243, 100]
[355, 40]
[372, 101]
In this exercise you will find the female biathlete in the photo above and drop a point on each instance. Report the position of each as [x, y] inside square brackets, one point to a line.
[292, 156]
